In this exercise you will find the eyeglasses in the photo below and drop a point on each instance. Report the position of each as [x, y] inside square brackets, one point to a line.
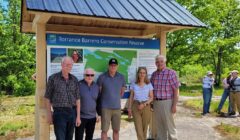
[88, 75]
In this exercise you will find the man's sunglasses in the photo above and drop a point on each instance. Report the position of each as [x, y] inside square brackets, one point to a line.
[88, 75]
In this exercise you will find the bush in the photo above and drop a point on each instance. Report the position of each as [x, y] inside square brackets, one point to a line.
[192, 73]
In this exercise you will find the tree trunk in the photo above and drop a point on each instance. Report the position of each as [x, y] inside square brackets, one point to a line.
[219, 67]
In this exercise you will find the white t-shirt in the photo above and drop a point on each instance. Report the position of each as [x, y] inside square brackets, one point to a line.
[141, 93]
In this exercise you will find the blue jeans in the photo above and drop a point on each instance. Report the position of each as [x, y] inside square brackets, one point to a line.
[225, 94]
[64, 123]
[207, 96]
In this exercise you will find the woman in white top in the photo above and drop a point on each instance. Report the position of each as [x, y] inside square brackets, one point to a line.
[208, 82]
[139, 103]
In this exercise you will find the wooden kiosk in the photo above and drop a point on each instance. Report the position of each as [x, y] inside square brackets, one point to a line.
[118, 18]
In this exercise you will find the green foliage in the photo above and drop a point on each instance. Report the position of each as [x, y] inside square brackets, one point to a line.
[17, 116]
[14, 126]
[197, 104]
[229, 131]
[17, 53]
[193, 90]
[212, 47]
[192, 73]
[24, 110]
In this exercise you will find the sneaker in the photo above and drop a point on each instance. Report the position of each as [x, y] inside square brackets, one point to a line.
[218, 111]
[203, 114]
[232, 113]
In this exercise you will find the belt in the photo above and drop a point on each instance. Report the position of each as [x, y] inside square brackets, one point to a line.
[140, 102]
[66, 109]
[161, 99]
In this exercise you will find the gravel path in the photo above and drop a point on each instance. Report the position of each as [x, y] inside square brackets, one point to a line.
[189, 127]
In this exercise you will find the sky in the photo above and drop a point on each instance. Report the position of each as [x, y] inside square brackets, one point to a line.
[4, 3]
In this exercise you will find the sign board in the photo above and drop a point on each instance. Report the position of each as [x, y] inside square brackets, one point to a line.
[95, 51]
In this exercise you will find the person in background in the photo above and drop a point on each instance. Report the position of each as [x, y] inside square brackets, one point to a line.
[62, 94]
[112, 87]
[235, 92]
[89, 96]
[139, 103]
[166, 92]
[207, 82]
[225, 95]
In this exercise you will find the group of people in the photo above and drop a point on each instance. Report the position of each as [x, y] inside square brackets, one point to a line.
[231, 86]
[78, 105]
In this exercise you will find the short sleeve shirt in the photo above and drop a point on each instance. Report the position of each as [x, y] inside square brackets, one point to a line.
[164, 82]
[60, 92]
[141, 93]
[208, 82]
[111, 90]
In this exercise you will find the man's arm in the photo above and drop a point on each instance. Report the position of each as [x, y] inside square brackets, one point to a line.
[78, 120]
[130, 102]
[49, 111]
[48, 96]
[175, 100]
[122, 91]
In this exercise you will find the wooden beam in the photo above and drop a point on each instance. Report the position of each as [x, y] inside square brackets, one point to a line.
[42, 129]
[149, 31]
[41, 19]
[52, 28]
[109, 20]
[92, 30]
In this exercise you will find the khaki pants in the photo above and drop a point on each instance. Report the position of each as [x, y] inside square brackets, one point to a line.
[152, 126]
[235, 101]
[166, 129]
[141, 120]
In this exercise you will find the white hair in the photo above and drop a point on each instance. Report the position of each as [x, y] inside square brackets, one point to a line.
[89, 69]
[161, 57]
[65, 58]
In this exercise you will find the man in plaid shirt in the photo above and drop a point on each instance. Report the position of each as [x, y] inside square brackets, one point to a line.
[165, 89]
[62, 94]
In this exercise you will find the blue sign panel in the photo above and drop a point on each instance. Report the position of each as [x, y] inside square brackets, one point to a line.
[96, 41]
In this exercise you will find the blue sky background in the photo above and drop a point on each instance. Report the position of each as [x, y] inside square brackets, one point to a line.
[4, 3]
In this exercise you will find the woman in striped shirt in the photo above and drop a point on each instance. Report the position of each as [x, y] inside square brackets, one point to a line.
[139, 103]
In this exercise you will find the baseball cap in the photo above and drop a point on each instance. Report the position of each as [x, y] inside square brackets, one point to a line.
[113, 61]
[209, 73]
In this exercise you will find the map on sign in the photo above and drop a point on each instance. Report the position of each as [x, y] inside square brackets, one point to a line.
[98, 60]
[95, 52]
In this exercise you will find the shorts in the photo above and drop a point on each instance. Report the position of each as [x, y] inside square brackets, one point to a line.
[113, 116]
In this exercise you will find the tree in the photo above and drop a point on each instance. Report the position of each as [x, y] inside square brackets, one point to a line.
[17, 53]
[214, 45]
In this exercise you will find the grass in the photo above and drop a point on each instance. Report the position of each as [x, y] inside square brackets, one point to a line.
[197, 105]
[196, 90]
[16, 117]
[229, 131]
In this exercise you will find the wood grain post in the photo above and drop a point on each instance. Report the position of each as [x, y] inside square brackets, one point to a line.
[42, 129]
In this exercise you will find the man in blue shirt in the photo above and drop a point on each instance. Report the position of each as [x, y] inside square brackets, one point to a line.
[89, 95]
[112, 87]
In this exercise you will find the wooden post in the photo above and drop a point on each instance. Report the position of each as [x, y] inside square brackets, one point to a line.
[163, 42]
[42, 129]
[161, 33]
